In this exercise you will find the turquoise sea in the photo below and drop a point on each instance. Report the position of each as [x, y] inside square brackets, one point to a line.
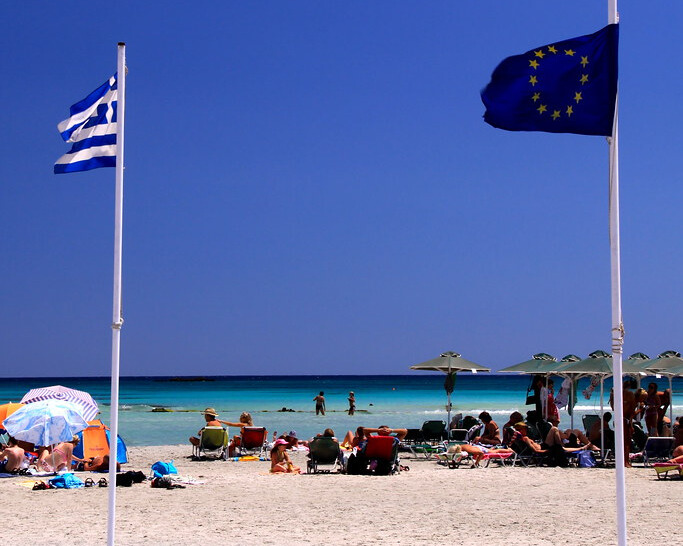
[394, 400]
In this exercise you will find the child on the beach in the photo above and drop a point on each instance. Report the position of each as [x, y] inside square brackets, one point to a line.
[280, 461]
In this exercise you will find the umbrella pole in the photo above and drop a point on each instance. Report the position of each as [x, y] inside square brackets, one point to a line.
[671, 403]
[571, 399]
[602, 418]
[448, 408]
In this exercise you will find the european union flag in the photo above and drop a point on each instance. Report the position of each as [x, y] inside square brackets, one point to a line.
[565, 87]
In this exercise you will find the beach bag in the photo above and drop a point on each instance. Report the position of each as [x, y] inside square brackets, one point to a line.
[357, 464]
[160, 468]
[586, 459]
[66, 481]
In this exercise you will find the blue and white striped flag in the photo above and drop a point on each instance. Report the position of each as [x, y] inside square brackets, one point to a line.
[92, 129]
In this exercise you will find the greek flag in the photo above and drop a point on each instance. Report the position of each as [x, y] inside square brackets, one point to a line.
[92, 129]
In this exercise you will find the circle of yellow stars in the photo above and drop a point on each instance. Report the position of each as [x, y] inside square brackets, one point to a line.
[534, 63]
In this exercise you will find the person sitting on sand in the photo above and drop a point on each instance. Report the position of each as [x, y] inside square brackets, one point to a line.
[96, 464]
[279, 459]
[11, 457]
[491, 434]
[60, 457]
[384, 430]
[508, 428]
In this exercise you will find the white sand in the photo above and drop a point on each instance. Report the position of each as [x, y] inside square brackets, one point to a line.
[241, 504]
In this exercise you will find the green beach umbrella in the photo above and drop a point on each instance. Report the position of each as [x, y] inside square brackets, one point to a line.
[540, 363]
[449, 363]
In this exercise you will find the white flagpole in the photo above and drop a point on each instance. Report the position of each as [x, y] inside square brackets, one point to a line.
[617, 324]
[117, 320]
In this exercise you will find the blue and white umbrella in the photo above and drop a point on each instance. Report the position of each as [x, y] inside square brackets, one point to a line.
[46, 423]
[88, 406]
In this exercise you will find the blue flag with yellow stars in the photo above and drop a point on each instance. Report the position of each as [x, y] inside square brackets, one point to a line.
[565, 87]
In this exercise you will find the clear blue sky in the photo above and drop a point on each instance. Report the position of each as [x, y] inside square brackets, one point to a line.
[310, 188]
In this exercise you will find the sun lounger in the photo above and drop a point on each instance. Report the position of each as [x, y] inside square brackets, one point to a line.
[213, 442]
[657, 449]
[663, 469]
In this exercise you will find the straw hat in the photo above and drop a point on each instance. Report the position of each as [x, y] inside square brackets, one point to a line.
[211, 411]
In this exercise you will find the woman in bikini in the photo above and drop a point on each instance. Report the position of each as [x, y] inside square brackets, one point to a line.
[652, 404]
[60, 457]
[280, 461]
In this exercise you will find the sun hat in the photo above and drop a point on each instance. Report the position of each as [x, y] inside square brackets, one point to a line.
[280, 442]
[211, 411]
[521, 424]
[292, 434]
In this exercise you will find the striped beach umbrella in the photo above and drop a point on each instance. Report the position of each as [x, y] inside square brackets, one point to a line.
[82, 399]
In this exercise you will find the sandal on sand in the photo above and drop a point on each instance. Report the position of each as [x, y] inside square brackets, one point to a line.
[39, 486]
[89, 482]
[103, 482]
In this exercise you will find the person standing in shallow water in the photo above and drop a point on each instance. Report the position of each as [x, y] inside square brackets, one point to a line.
[320, 403]
[352, 403]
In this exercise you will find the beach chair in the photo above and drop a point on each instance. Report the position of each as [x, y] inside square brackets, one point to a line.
[381, 452]
[434, 431]
[253, 441]
[657, 449]
[323, 451]
[525, 455]
[458, 434]
[588, 421]
[663, 469]
[213, 443]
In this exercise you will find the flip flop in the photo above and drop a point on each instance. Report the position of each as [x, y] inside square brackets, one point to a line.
[89, 482]
[39, 486]
[103, 482]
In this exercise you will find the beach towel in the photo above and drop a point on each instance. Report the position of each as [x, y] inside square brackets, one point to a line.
[66, 481]
[160, 468]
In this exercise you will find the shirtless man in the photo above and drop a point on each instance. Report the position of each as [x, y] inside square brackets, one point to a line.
[11, 457]
[629, 411]
[491, 434]
[384, 430]
[320, 403]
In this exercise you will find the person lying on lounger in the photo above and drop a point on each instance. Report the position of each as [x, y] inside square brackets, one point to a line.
[554, 438]
[477, 452]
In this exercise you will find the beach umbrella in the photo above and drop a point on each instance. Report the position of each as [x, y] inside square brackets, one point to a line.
[88, 406]
[46, 423]
[539, 364]
[8, 409]
[449, 363]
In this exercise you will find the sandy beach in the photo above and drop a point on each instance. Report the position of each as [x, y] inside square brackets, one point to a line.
[240, 503]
